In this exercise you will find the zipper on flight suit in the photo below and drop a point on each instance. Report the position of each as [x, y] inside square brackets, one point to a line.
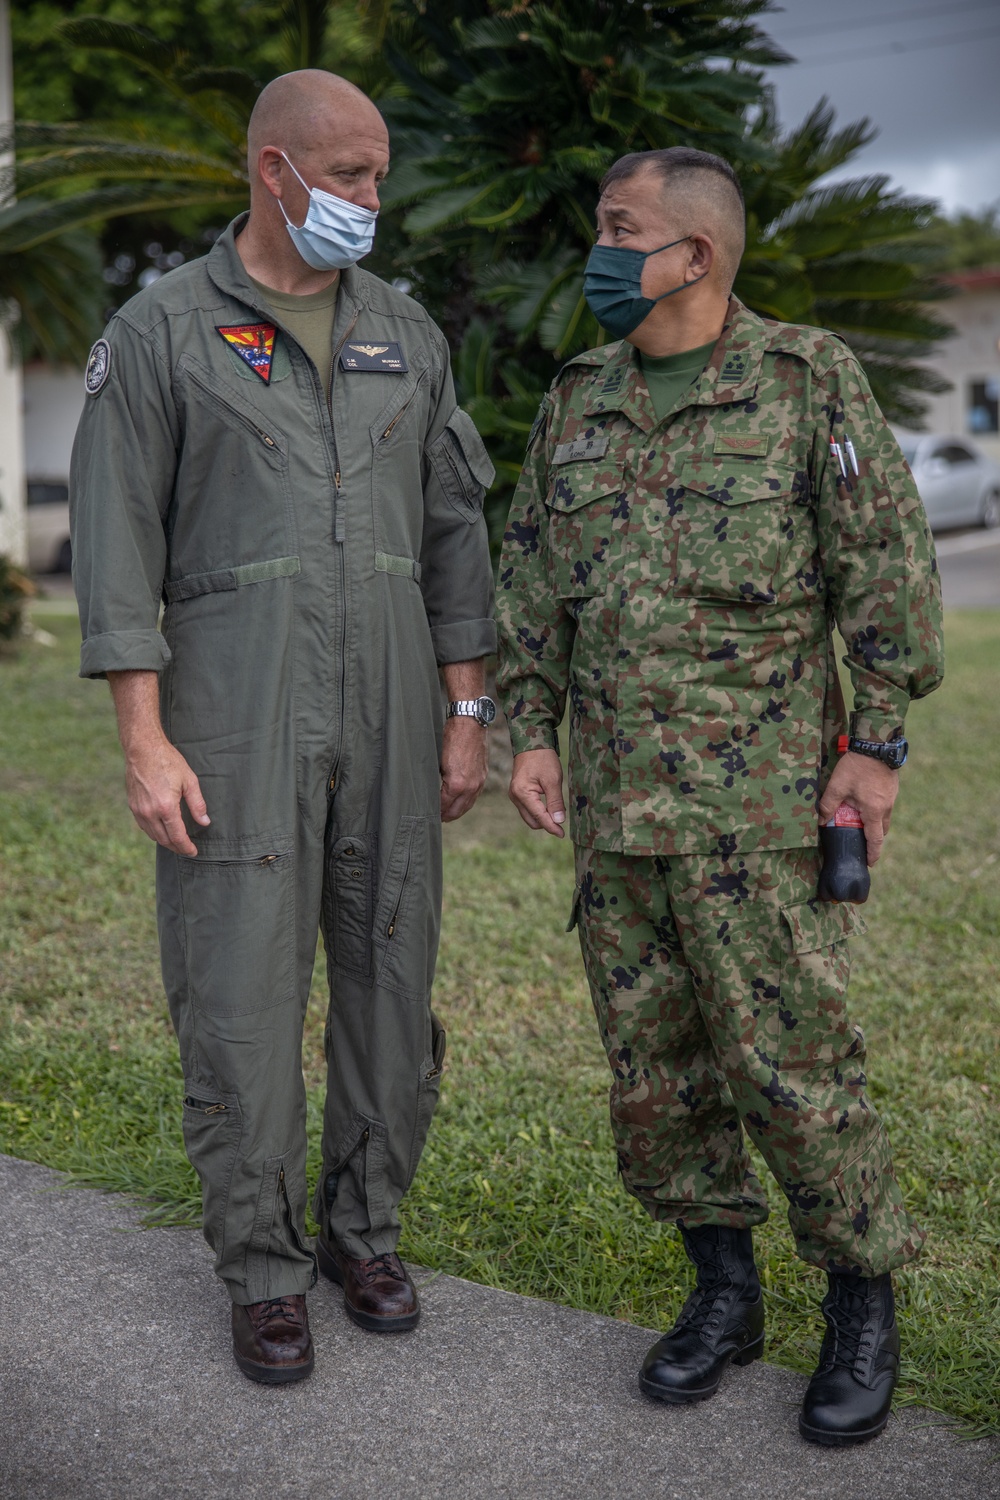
[402, 412]
[234, 411]
[339, 537]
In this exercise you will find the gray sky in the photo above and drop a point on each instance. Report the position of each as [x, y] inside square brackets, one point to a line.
[927, 75]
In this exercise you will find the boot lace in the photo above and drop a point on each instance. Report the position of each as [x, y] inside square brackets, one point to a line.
[702, 1309]
[847, 1336]
[387, 1264]
[275, 1307]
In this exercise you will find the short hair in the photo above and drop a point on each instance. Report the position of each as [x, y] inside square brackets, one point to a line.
[700, 180]
[675, 161]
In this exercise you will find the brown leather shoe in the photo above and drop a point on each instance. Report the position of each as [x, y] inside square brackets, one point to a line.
[271, 1341]
[378, 1292]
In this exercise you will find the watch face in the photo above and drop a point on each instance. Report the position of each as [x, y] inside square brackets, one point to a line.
[487, 710]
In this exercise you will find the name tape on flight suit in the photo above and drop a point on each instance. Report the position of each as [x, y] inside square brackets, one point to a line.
[374, 357]
[569, 453]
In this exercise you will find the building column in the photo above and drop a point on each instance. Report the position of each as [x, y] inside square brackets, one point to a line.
[13, 518]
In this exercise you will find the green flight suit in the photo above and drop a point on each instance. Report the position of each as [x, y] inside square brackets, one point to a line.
[318, 562]
[676, 578]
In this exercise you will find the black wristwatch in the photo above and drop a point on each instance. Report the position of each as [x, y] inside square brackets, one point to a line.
[891, 753]
[484, 710]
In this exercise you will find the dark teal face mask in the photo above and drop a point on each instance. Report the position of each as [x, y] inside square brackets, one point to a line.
[612, 285]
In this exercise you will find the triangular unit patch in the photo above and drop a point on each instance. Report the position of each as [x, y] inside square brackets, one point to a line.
[254, 343]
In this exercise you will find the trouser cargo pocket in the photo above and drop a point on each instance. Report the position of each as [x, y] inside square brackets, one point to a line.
[213, 1126]
[813, 1028]
[239, 929]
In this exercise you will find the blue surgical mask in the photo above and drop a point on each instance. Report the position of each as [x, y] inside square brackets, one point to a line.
[612, 285]
[335, 234]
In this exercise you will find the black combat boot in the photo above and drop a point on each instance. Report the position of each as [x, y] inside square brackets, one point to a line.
[722, 1320]
[848, 1399]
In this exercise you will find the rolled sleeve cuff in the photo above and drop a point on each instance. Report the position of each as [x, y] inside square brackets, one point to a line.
[526, 735]
[123, 651]
[880, 725]
[463, 640]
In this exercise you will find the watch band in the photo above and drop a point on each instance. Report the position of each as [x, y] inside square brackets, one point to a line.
[891, 752]
[483, 710]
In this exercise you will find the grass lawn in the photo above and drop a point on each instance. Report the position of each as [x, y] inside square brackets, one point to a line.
[517, 1187]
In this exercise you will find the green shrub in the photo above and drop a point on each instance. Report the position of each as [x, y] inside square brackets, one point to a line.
[16, 588]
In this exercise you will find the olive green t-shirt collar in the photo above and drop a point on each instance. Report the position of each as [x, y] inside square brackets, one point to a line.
[677, 364]
[294, 302]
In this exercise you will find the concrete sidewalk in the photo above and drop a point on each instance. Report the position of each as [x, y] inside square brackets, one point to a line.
[116, 1380]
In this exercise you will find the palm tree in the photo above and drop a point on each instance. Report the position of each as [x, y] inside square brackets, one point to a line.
[504, 116]
[852, 256]
[506, 123]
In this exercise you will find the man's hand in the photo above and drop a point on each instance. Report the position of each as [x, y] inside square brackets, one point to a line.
[157, 777]
[536, 790]
[871, 787]
[464, 764]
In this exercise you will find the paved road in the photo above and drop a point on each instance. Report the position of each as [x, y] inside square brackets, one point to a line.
[970, 569]
[117, 1383]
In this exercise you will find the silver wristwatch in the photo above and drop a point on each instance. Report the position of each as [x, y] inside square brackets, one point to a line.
[482, 709]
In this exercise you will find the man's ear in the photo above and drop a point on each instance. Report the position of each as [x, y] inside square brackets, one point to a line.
[701, 257]
[270, 168]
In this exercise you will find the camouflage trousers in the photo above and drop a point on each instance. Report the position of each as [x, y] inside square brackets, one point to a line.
[719, 987]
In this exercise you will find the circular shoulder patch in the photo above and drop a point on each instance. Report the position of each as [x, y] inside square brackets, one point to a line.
[98, 367]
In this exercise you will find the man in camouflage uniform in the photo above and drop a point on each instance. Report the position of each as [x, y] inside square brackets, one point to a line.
[681, 546]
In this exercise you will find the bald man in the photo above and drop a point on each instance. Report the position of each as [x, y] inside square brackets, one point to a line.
[271, 446]
[680, 548]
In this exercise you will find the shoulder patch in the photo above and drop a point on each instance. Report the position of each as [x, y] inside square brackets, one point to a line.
[98, 367]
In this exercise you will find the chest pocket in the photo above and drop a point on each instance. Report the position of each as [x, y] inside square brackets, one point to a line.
[732, 531]
[587, 511]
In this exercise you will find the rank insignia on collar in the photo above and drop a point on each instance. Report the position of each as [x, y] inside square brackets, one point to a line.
[388, 357]
[613, 382]
[734, 368]
[254, 343]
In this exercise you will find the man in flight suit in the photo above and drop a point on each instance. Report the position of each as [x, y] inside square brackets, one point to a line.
[271, 445]
[682, 543]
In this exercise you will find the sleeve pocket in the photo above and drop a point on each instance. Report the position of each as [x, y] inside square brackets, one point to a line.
[461, 464]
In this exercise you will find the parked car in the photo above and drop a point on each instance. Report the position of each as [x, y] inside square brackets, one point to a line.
[49, 550]
[958, 484]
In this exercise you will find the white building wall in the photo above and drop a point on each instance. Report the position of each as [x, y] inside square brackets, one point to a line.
[53, 401]
[13, 523]
[972, 355]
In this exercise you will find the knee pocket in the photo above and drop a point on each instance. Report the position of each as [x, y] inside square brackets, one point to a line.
[385, 931]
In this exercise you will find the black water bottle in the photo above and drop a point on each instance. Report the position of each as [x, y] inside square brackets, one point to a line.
[845, 875]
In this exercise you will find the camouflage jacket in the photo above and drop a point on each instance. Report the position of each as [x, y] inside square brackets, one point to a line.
[681, 581]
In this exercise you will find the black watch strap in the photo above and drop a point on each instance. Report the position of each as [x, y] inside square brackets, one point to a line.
[890, 752]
